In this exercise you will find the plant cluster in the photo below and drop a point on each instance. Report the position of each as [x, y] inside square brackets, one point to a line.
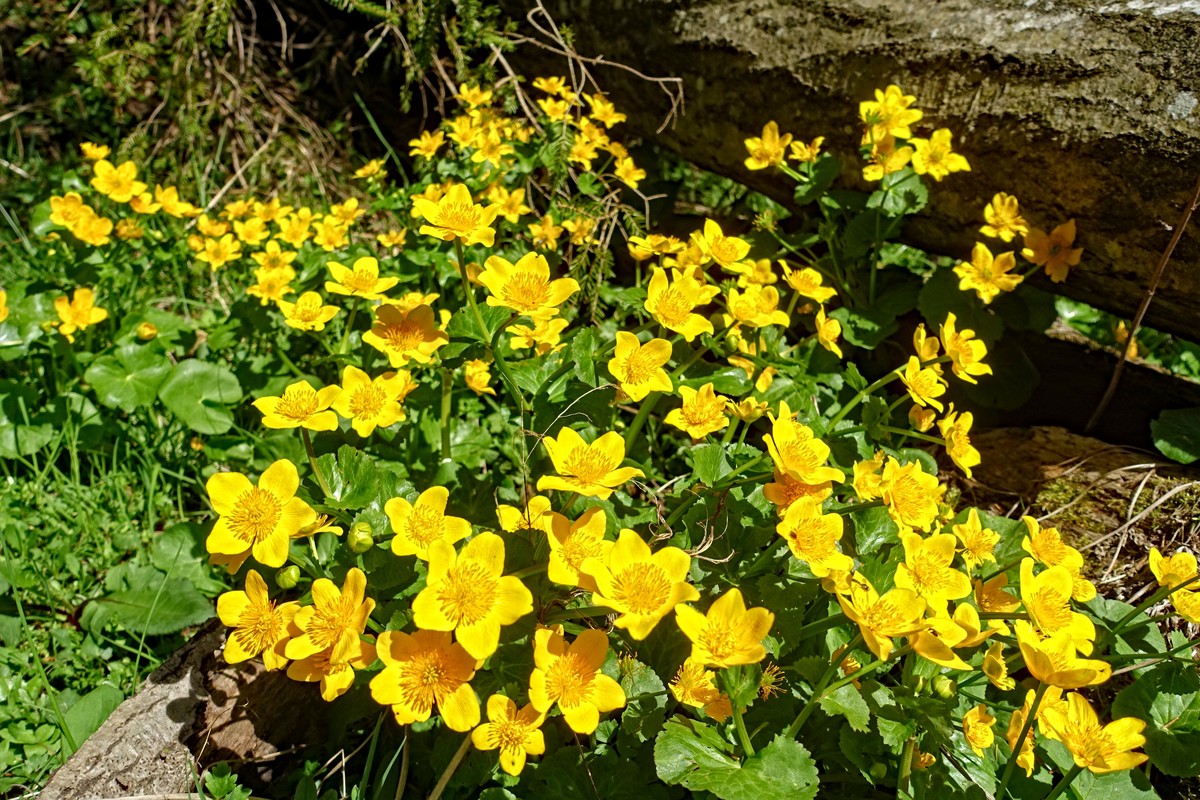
[582, 535]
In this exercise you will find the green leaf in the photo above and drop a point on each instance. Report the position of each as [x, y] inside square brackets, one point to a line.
[1177, 434]
[1168, 699]
[25, 425]
[199, 394]
[900, 193]
[89, 712]
[1124, 785]
[695, 757]
[463, 324]
[873, 528]
[583, 346]
[824, 172]
[645, 714]
[352, 477]
[129, 378]
[153, 612]
[941, 295]
[847, 702]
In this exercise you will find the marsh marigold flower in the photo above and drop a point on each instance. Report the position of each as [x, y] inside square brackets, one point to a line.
[755, 307]
[729, 634]
[629, 173]
[1003, 216]
[828, 332]
[978, 543]
[934, 156]
[361, 280]
[673, 303]
[638, 367]
[335, 679]
[300, 406]
[330, 233]
[1054, 661]
[986, 275]
[65, 210]
[477, 375]
[592, 470]
[807, 153]
[1096, 747]
[372, 403]
[334, 621]
[693, 685]
[702, 412]
[641, 586]
[899, 612]
[890, 113]
[457, 216]
[526, 287]
[427, 144]
[1054, 251]
[924, 385]
[570, 676]
[572, 543]
[1047, 599]
[272, 284]
[418, 525]
[1172, 570]
[535, 516]
[768, 149]
[995, 668]
[423, 670]
[404, 336]
[544, 336]
[926, 570]
[259, 626]
[796, 452]
[260, 519]
[965, 351]
[308, 313]
[78, 312]
[219, 252]
[371, 169]
[119, 184]
[716, 246]
[94, 152]
[466, 593]
[515, 732]
[909, 494]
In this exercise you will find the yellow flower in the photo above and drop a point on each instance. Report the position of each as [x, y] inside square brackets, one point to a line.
[767, 150]
[702, 412]
[807, 153]
[511, 204]
[638, 367]
[1172, 570]
[405, 335]
[94, 152]
[300, 406]
[828, 332]
[168, 199]
[330, 234]
[813, 536]
[890, 113]
[295, 230]
[956, 429]
[274, 257]
[271, 211]
[747, 409]
[259, 625]
[92, 229]
[477, 376]
[551, 85]
[642, 587]
[729, 635]
[786, 490]
[119, 184]
[796, 452]
[535, 517]
[965, 351]
[581, 230]
[371, 169]
[347, 212]
[66, 210]
[643, 248]
[885, 158]
[308, 312]
[334, 621]
[672, 303]
[592, 470]
[880, 619]
[995, 668]
[335, 679]
[422, 670]
[927, 571]
[1047, 599]
[418, 525]
[393, 238]
[582, 153]
[360, 281]
[78, 312]
[514, 732]
[1053, 661]
[3, 305]
[473, 95]
[457, 216]
[371, 404]
[629, 173]
[526, 287]
[716, 246]
[554, 109]
[923, 384]
[1016, 723]
[1187, 605]
[933, 156]
[544, 336]
[978, 542]
[1098, 748]
[272, 285]
[259, 519]
[868, 477]
[144, 204]
[219, 252]
[467, 593]
[427, 144]
[570, 676]
[603, 111]
[694, 686]
[237, 209]
[757, 272]
[756, 307]
[1004, 220]
[1053, 252]
[571, 543]
[991, 598]
[987, 276]
[252, 231]
[909, 494]
[545, 233]
[1046, 545]
[977, 728]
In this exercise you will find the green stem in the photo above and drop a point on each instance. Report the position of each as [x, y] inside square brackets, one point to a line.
[1062, 785]
[913, 434]
[312, 461]
[469, 291]
[740, 724]
[587, 612]
[643, 414]
[1164, 591]
[531, 570]
[349, 327]
[1020, 743]
[696, 356]
[857, 507]
[459, 755]
[729, 431]
[447, 391]
[858, 398]
[906, 765]
[819, 693]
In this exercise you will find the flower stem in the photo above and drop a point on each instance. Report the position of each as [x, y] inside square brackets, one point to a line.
[447, 390]
[312, 461]
[1149, 601]
[819, 693]
[923, 437]
[643, 414]
[740, 724]
[1062, 785]
[858, 398]
[1020, 744]
[349, 327]
[906, 765]
[459, 755]
[587, 612]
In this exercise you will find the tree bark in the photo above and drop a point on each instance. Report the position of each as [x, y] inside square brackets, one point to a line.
[1084, 110]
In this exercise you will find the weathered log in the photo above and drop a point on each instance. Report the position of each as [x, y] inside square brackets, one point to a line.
[1083, 110]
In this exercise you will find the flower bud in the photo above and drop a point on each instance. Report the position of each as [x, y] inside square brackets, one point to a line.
[146, 331]
[361, 538]
[878, 771]
[945, 687]
[288, 577]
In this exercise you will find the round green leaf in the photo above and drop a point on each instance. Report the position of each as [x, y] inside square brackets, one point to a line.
[199, 393]
[130, 378]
